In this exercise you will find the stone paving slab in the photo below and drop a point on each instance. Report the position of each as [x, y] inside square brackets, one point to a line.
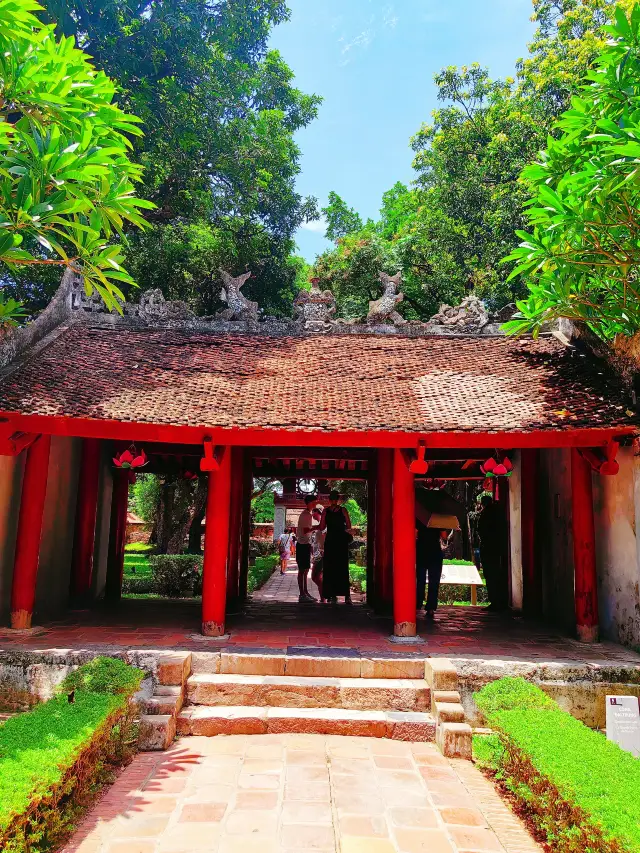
[292, 793]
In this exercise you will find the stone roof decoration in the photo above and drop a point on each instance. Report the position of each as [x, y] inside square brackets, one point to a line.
[383, 310]
[314, 309]
[238, 306]
[153, 307]
[470, 316]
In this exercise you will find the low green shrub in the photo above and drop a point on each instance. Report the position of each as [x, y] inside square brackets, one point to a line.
[53, 758]
[450, 593]
[103, 675]
[138, 548]
[358, 577]
[580, 790]
[261, 548]
[261, 571]
[176, 575]
[133, 585]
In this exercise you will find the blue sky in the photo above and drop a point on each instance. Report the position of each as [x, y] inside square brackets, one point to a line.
[373, 62]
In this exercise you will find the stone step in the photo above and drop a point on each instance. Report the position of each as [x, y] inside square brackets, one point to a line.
[166, 699]
[454, 740]
[156, 732]
[245, 719]
[363, 694]
[309, 665]
[449, 712]
[173, 668]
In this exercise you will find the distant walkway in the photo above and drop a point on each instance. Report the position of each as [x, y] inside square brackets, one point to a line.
[294, 793]
[284, 587]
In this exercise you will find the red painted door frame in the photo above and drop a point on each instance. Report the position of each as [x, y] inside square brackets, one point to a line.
[383, 537]
[117, 535]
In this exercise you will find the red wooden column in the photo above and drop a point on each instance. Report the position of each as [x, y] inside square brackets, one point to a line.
[245, 524]
[216, 548]
[235, 522]
[404, 548]
[584, 550]
[383, 535]
[27, 554]
[86, 513]
[531, 577]
[117, 535]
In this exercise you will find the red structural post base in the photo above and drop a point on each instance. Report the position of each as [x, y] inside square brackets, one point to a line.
[404, 548]
[86, 512]
[584, 550]
[383, 535]
[27, 554]
[235, 523]
[531, 578]
[117, 536]
[216, 548]
[372, 592]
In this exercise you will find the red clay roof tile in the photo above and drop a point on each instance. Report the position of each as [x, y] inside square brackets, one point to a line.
[345, 382]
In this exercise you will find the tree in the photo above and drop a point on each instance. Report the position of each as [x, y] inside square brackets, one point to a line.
[468, 163]
[582, 258]
[220, 112]
[66, 180]
[567, 41]
[341, 219]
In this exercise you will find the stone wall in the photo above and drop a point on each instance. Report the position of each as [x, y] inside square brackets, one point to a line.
[617, 515]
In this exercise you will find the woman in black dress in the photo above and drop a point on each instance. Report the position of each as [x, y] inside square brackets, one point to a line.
[335, 579]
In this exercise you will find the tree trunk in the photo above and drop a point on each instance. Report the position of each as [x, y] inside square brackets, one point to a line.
[182, 525]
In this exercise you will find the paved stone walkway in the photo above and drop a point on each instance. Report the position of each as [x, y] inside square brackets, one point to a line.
[284, 588]
[298, 793]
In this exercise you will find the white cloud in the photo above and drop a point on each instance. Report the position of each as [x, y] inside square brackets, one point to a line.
[363, 39]
[316, 226]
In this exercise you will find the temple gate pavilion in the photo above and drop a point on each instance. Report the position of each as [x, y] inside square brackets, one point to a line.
[395, 403]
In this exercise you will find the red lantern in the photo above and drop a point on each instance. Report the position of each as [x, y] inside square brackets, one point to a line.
[130, 458]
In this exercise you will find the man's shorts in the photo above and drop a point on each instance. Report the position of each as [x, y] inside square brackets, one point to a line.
[303, 557]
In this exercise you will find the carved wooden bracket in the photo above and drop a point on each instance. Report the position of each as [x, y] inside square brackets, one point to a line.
[603, 460]
[211, 459]
[420, 465]
[14, 444]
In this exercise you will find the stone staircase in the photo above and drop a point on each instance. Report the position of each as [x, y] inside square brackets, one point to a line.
[235, 693]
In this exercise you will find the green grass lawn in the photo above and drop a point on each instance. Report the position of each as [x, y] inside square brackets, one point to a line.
[136, 566]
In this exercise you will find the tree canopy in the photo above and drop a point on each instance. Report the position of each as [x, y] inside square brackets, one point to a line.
[582, 257]
[66, 177]
[450, 230]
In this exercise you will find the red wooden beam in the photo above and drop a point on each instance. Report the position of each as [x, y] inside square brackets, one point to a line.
[216, 548]
[27, 550]
[139, 432]
[584, 550]
[404, 548]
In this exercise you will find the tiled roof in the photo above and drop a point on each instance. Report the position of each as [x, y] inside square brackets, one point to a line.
[338, 382]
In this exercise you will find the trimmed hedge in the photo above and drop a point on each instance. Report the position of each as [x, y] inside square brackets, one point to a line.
[260, 573]
[177, 575]
[54, 758]
[579, 789]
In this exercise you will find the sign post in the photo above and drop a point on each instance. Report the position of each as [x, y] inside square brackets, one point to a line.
[623, 723]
